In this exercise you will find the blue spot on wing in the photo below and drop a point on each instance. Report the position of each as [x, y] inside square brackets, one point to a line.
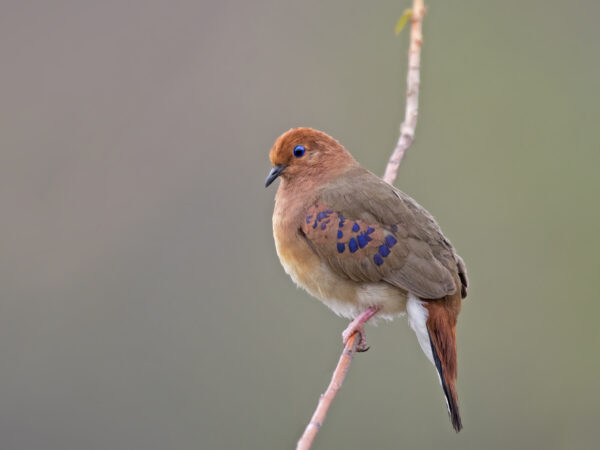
[321, 216]
[341, 247]
[308, 219]
[390, 241]
[384, 251]
[355, 227]
[377, 259]
[362, 240]
[340, 234]
[341, 220]
[370, 230]
[352, 245]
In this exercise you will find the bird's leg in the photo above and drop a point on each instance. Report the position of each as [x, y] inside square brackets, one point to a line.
[357, 326]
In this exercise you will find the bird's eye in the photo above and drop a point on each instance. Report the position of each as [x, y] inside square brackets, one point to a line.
[299, 151]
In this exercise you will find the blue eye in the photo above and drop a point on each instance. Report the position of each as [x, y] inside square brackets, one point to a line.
[299, 151]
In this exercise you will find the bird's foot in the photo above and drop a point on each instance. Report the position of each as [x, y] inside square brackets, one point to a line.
[358, 326]
[362, 336]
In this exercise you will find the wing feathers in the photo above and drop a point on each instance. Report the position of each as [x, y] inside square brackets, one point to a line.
[367, 230]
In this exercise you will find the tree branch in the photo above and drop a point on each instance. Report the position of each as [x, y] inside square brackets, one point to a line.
[407, 135]
[407, 129]
[325, 400]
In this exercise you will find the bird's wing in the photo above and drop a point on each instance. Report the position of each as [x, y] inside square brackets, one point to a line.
[368, 231]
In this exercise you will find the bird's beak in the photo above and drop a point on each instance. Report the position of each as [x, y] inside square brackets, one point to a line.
[273, 174]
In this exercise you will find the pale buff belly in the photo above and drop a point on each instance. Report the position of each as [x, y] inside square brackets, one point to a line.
[345, 297]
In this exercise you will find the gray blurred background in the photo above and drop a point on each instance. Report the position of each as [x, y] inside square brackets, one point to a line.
[142, 303]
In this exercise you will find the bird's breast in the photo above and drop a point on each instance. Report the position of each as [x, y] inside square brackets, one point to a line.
[299, 261]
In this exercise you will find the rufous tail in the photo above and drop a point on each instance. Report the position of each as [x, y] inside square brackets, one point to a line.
[441, 325]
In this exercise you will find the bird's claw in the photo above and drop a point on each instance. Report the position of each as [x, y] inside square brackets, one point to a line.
[361, 337]
[358, 326]
[362, 343]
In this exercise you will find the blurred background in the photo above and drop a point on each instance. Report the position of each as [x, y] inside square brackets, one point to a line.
[142, 303]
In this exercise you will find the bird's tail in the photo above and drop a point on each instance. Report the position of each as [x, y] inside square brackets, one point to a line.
[441, 328]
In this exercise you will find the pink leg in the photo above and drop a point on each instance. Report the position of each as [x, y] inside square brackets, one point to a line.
[357, 326]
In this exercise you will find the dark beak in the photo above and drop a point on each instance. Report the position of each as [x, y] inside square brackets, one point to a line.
[273, 174]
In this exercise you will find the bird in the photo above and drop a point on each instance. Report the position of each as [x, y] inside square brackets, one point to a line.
[366, 249]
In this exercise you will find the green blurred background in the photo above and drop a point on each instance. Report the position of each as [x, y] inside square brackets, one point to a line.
[142, 302]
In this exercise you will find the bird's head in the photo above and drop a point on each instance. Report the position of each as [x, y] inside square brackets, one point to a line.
[305, 152]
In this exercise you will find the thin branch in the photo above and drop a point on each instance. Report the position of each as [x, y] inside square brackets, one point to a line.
[407, 129]
[407, 135]
[306, 440]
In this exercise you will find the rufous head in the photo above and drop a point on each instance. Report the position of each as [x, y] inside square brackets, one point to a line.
[306, 152]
